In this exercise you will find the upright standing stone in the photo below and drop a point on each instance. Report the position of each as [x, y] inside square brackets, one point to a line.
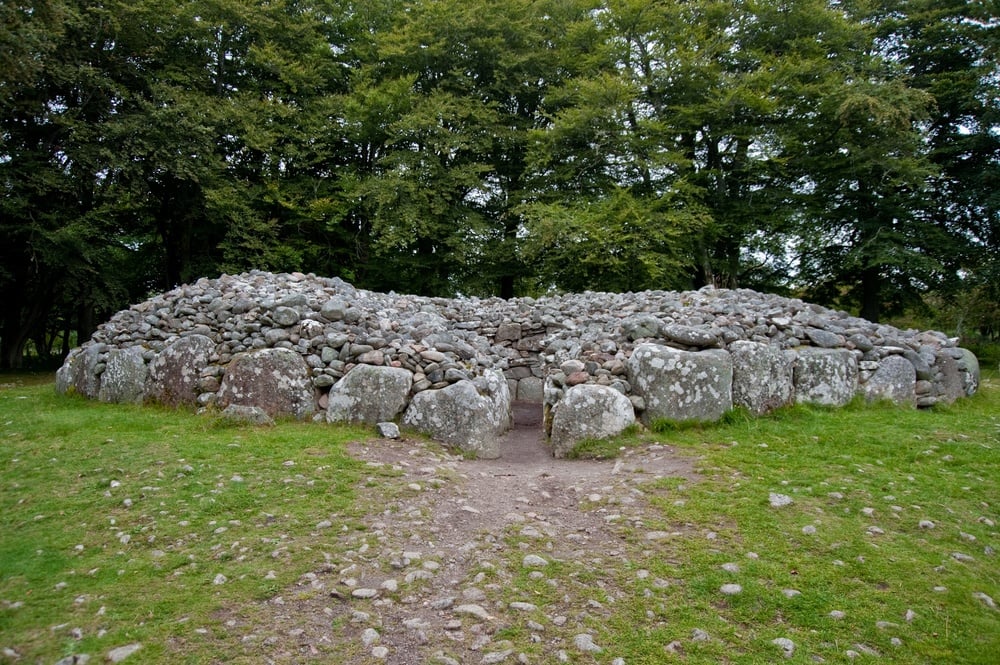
[174, 372]
[124, 378]
[762, 376]
[461, 416]
[681, 385]
[275, 380]
[588, 411]
[828, 377]
[369, 394]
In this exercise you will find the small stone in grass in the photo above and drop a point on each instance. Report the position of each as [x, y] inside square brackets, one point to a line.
[119, 654]
[926, 524]
[778, 500]
[730, 589]
[809, 530]
[791, 593]
[534, 561]
[585, 643]
[786, 645]
[986, 600]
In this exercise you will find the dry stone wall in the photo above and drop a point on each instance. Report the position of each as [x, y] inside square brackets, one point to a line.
[262, 345]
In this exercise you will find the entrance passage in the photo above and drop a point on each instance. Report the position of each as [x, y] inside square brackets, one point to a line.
[525, 442]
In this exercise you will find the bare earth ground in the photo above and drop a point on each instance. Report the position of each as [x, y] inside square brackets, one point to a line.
[445, 568]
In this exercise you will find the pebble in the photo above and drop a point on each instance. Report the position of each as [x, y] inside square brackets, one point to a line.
[809, 530]
[584, 642]
[731, 567]
[534, 561]
[364, 592]
[370, 636]
[474, 610]
[381, 653]
[731, 589]
[986, 600]
[786, 645]
[119, 654]
[926, 524]
[779, 500]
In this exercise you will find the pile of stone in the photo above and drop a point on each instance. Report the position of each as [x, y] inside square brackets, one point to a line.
[306, 346]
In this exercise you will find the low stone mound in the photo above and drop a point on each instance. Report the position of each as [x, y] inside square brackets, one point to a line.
[300, 345]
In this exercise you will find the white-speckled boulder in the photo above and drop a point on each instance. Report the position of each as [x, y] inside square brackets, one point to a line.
[369, 394]
[588, 411]
[275, 380]
[762, 376]
[466, 415]
[895, 380]
[175, 371]
[681, 385]
[124, 377]
[827, 377]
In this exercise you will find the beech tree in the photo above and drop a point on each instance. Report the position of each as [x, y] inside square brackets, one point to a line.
[848, 151]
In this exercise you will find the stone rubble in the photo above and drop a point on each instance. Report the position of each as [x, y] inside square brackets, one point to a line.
[306, 346]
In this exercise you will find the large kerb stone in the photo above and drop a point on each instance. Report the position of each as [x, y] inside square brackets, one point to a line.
[463, 416]
[681, 385]
[369, 394]
[762, 376]
[588, 412]
[124, 378]
[175, 371]
[827, 377]
[275, 380]
[894, 380]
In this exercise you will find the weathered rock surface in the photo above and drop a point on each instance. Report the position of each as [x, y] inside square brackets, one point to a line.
[589, 412]
[893, 378]
[124, 377]
[762, 376]
[681, 385]
[175, 372]
[723, 347]
[275, 380]
[370, 394]
[469, 415]
[827, 377]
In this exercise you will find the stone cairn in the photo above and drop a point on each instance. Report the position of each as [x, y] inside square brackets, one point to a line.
[259, 345]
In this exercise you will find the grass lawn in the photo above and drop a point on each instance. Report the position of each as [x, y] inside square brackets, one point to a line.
[122, 525]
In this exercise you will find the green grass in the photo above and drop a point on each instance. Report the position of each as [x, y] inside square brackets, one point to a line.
[846, 471]
[83, 571]
[115, 522]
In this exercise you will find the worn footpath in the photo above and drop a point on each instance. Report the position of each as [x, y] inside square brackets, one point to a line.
[465, 561]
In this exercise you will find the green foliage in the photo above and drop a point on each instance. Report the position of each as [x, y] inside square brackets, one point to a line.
[845, 151]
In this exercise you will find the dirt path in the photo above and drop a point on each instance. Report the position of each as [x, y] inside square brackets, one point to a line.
[444, 570]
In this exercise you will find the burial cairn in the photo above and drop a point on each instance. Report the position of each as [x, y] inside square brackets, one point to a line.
[260, 345]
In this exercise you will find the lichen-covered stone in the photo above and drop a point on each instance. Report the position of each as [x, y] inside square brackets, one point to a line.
[681, 385]
[589, 412]
[894, 380]
[124, 377]
[762, 377]
[174, 372]
[276, 380]
[369, 394]
[827, 377]
[462, 416]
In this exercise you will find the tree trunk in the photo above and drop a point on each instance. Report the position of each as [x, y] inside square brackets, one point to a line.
[871, 294]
